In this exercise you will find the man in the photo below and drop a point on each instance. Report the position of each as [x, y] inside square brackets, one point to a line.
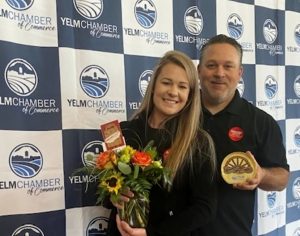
[237, 125]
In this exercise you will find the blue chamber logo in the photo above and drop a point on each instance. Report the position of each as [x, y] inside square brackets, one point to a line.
[296, 188]
[297, 136]
[241, 86]
[193, 20]
[26, 160]
[271, 199]
[144, 81]
[90, 9]
[28, 230]
[297, 35]
[90, 152]
[145, 13]
[20, 4]
[270, 31]
[235, 26]
[97, 227]
[20, 77]
[94, 81]
[297, 86]
[271, 87]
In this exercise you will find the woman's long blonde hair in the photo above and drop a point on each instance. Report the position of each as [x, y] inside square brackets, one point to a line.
[185, 126]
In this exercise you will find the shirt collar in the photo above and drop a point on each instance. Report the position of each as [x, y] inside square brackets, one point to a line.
[233, 107]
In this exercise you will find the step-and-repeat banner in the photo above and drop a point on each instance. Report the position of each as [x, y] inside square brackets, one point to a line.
[67, 66]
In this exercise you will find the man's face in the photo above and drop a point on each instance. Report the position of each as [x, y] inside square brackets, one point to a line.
[219, 73]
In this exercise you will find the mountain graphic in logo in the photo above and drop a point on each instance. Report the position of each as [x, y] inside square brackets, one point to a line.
[270, 31]
[297, 136]
[271, 87]
[297, 86]
[145, 13]
[235, 26]
[297, 232]
[296, 188]
[90, 9]
[98, 227]
[94, 81]
[297, 35]
[241, 86]
[90, 152]
[193, 20]
[21, 77]
[144, 81]
[271, 199]
[26, 160]
[28, 230]
[20, 4]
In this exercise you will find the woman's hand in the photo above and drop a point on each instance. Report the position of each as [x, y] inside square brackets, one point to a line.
[126, 230]
[124, 196]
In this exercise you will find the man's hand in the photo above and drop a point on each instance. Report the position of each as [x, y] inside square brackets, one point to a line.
[268, 179]
[252, 183]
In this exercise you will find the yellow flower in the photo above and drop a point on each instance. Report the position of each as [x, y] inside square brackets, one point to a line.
[112, 183]
[128, 150]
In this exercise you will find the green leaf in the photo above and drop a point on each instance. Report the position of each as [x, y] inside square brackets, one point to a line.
[114, 198]
[124, 168]
[136, 171]
[151, 150]
[148, 146]
[102, 194]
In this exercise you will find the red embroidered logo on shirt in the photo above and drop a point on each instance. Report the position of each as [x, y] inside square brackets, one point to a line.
[236, 134]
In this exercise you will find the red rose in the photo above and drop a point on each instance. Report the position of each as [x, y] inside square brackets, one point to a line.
[141, 158]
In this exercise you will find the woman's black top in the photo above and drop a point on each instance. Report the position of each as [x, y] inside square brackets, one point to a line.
[191, 203]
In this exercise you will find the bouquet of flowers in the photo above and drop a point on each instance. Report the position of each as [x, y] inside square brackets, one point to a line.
[123, 168]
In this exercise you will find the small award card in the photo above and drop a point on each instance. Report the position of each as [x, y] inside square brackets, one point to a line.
[112, 135]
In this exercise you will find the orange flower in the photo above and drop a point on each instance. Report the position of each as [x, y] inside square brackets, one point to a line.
[141, 158]
[106, 160]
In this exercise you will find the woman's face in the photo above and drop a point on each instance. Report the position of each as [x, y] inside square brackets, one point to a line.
[171, 92]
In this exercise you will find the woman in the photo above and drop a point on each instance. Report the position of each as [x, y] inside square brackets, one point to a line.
[169, 115]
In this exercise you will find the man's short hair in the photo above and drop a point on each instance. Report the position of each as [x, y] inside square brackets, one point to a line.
[222, 38]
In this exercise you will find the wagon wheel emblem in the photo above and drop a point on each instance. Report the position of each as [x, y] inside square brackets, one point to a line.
[237, 164]
[237, 167]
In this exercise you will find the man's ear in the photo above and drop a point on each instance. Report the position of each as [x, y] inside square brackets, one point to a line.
[241, 71]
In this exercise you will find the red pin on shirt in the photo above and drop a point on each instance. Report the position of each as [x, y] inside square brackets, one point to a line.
[236, 133]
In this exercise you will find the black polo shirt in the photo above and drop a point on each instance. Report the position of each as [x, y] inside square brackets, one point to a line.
[242, 127]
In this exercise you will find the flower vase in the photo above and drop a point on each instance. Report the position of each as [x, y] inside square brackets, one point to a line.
[135, 211]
